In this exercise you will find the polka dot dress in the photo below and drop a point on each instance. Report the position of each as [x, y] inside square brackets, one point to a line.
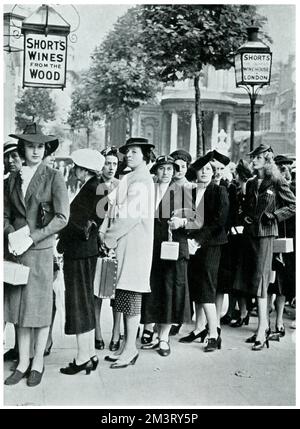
[128, 302]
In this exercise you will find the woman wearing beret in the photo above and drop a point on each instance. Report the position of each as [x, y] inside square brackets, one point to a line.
[80, 247]
[36, 207]
[130, 234]
[169, 296]
[207, 231]
[268, 201]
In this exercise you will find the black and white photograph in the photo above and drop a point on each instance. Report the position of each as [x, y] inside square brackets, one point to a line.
[149, 207]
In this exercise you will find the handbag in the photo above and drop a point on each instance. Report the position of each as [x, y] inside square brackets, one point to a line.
[283, 245]
[15, 273]
[105, 280]
[169, 249]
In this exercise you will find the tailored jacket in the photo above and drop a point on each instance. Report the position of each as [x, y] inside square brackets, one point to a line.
[46, 186]
[274, 196]
[216, 209]
[80, 237]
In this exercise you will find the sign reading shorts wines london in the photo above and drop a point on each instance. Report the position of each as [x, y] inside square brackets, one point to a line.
[256, 68]
[45, 60]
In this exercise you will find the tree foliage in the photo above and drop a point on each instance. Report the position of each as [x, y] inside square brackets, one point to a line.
[180, 39]
[35, 105]
[118, 78]
[82, 114]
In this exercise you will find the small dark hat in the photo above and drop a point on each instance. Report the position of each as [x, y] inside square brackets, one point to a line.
[181, 154]
[260, 149]
[283, 160]
[33, 134]
[163, 160]
[9, 146]
[220, 157]
[136, 141]
[243, 170]
[110, 150]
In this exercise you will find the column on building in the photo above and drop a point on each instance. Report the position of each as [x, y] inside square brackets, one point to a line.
[174, 131]
[163, 144]
[229, 130]
[215, 130]
[193, 137]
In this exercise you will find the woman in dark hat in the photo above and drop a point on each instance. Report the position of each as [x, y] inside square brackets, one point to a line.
[169, 296]
[80, 247]
[130, 234]
[36, 207]
[268, 201]
[208, 233]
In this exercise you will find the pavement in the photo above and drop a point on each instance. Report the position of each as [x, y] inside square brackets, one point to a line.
[231, 377]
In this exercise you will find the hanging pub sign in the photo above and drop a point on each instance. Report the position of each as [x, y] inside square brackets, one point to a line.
[45, 49]
[45, 60]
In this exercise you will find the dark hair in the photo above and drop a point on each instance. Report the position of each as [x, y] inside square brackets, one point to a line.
[182, 157]
[21, 148]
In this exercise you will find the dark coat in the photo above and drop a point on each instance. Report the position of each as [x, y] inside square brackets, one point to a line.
[169, 300]
[274, 197]
[80, 237]
[216, 209]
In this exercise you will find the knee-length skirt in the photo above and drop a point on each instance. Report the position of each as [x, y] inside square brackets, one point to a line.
[254, 270]
[169, 300]
[79, 294]
[30, 305]
[203, 274]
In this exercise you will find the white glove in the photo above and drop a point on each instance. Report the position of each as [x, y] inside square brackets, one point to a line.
[176, 222]
[193, 246]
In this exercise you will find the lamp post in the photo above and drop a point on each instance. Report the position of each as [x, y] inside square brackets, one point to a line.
[253, 61]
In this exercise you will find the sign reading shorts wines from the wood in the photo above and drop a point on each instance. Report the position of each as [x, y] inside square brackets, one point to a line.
[45, 60]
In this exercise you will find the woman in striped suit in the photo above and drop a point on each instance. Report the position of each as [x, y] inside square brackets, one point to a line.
[268, 201]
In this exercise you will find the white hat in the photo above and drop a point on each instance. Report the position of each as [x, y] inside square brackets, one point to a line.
[88, 158]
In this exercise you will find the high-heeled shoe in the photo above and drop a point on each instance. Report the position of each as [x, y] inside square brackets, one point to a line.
[192, 337]
[114, 345]
[151, 346]
[175, 329]
[280, 331]
[95, 362]
[147, 336]
[73, 368]
[240, 322]
[111, 358]
[99, 344]
[213, 344]
[252, 339]
[117, 365]
[258, 345]
[164, 352]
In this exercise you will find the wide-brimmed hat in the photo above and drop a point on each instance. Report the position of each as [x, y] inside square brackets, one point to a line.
[9, 146]
[181, 154]
[283, 160]
[89, 159]
[163, 160]
[136, 141]
[243, 170]
[198, 164]
[260, 149]
[223, 159]
[33, 134]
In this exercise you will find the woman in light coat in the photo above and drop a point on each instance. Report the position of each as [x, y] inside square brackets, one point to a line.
[131, 236]
[36, 207]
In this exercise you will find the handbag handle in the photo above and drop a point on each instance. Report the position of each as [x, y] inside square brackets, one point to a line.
[170, 235]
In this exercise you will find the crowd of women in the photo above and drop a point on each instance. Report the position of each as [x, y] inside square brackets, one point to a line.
[183, 233]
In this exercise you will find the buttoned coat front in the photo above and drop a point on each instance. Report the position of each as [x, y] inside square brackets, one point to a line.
[31, 305]
[132, 230]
